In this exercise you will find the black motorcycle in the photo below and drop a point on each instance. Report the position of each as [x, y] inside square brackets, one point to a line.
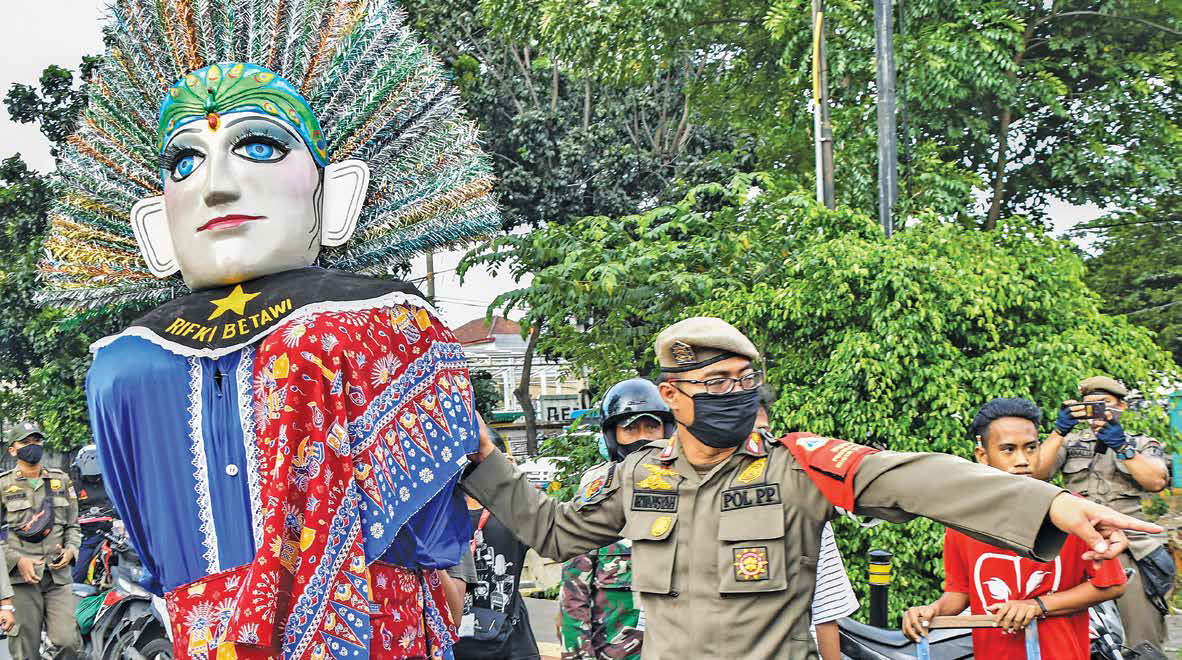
[129, 623]
[863, 642]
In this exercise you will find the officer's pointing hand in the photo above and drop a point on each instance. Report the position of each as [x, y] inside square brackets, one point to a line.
[1097, 525]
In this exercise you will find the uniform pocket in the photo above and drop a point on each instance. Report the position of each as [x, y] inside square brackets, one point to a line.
[751, 555]
[1078, 464]
[16, 510]
[61, 502]
[654, 548]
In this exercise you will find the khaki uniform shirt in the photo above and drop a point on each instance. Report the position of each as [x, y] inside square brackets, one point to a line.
[18, 500]
[725, 563]
[1104, 478]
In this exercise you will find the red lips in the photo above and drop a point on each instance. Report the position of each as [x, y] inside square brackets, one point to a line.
[228, 221]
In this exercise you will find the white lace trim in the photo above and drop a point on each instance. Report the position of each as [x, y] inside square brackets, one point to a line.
[209, 537]
[392, 298]
[245, 383]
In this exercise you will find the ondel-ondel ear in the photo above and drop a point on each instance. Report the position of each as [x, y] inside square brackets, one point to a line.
[345, 184]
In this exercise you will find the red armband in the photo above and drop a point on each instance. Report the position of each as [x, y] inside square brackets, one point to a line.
[830, 463]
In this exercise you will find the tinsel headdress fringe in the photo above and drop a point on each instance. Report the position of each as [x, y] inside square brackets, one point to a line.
[378, 92]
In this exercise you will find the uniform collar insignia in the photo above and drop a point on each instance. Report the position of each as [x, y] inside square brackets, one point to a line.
[668, 453]
[754, 445]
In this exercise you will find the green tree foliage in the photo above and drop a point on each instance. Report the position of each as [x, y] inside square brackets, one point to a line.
[1018, 100]
[1138, 267]
[893, 342]
[564, 146]
[486, 393]
[44, 354]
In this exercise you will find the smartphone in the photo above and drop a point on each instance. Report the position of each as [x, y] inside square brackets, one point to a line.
[1089, 410]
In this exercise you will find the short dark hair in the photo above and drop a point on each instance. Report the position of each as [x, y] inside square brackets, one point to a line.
[1005, 407]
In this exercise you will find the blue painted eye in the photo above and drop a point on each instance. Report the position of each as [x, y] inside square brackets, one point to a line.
[185, 166]
[260, 151]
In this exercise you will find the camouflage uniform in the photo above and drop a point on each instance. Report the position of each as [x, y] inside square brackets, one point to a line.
[599, 618]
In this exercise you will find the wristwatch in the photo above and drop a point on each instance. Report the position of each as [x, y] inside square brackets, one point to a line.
[1126, 452]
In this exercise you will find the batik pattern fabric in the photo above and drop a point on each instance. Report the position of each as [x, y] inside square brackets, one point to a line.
[408, 618]
[363, 418]
[599, 617]
[292, 467]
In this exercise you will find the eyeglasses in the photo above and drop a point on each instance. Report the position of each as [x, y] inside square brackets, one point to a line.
[724, 385]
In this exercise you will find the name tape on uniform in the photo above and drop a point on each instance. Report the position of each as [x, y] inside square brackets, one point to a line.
[741, 498]
[654, 502]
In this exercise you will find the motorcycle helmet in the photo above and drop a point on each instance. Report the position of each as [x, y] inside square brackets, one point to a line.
[86, 464]
[624, 403]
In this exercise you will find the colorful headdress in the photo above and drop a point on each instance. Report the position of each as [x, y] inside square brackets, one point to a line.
[378, 93]
[220, 89]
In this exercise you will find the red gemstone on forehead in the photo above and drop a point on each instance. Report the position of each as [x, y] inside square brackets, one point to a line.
[212, 118]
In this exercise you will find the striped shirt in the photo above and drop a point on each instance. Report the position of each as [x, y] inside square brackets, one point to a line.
[834, 597]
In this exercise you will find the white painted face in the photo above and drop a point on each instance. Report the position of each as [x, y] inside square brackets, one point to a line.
[242, 201]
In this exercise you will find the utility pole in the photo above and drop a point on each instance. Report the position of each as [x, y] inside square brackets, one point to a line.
[884, 55]
[431, 277]
[822, 129]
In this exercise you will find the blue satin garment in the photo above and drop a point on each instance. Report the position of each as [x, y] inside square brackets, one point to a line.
[176, 441]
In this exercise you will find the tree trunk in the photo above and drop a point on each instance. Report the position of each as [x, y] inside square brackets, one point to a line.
[586, 104]
[1003, 134]
[522, 393]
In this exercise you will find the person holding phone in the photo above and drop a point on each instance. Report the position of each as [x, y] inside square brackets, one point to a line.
[1104, 463]
[41, 509]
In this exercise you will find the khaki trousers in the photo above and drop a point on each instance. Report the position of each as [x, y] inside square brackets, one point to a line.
[1141, 619]
[34, 603]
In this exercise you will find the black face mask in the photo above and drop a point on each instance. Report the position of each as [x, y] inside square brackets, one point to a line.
[723, 421]
[622, 451]
[30, 454]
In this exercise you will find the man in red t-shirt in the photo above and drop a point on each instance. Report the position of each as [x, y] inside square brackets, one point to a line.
[1013, 589]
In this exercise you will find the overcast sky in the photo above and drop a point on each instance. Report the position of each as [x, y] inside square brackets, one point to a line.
[60, 32]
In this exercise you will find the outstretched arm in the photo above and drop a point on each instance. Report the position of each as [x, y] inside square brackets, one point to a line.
[557, 531]
[970, 498]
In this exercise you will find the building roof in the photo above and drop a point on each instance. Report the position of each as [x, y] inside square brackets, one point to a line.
[477, 331]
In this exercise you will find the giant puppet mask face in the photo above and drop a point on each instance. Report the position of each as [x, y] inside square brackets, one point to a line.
[247, 187]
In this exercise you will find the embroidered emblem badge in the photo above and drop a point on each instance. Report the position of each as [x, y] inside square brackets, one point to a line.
[661, 526]
[683, 353]
[593, 489]
[753, 471]
[751, 564]
[654, 479]
[55, 484]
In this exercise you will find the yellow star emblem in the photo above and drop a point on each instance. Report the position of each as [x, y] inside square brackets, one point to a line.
[236, 301]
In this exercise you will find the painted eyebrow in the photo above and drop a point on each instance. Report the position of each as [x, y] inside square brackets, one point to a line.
[180, 133]
[279, 125]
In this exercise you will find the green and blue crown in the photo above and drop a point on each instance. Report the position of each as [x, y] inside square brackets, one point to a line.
[226, 87]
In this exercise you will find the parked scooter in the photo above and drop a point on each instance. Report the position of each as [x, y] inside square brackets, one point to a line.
[862, 642]
[129, 623]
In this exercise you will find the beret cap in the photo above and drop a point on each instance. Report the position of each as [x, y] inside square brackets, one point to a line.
[1103, 384]
[700, 341]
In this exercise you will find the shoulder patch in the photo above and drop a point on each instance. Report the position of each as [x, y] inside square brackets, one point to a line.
[596, 484]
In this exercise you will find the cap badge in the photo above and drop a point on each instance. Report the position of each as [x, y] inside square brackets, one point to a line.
[683, 353]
